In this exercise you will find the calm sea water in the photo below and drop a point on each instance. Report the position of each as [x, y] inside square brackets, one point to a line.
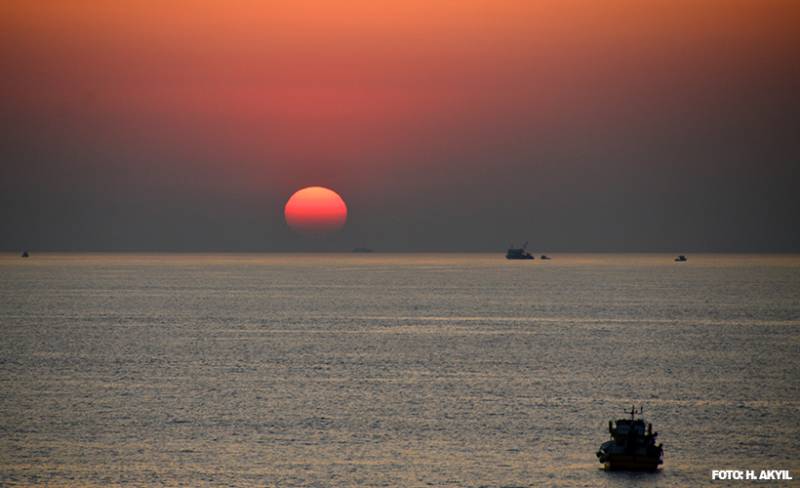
[392, 370]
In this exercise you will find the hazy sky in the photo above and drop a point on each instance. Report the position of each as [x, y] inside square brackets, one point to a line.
[445, 125]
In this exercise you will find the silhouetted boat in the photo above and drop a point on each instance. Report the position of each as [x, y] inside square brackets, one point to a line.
[631, 447]
[544, 256]
[680, 258]
[362, 249]
[518, 252]
[25, 254]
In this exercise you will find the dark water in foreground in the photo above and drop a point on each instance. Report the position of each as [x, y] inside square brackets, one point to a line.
[392, 370]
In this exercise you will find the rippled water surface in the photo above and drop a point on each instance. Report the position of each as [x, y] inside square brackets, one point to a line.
[392, 370]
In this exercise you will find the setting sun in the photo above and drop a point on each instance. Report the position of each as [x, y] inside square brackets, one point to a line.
[315, 210]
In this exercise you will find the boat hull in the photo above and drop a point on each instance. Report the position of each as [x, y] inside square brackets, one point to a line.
[631, 463]
[617, 457]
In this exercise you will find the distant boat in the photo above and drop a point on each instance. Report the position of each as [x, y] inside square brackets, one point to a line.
[362, 249]
[25, 254]
[518, 252]
[680, 258]
[631, 447]
[544, 256]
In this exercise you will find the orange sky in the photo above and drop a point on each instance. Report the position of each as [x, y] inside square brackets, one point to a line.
[247, 95]
[303, 66]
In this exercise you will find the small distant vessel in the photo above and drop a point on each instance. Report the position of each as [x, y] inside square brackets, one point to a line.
[362, 249]
[544, 256]
[680, 259]
[25, 254]
[518, 252]
[631, 447]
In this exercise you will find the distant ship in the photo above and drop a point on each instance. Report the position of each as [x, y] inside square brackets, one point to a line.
[518, 252]
[630, 446]
[544, 256]
[680, 258]
[25, 254]
[362, 249]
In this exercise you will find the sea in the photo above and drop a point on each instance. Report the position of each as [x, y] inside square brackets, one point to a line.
[395, 370]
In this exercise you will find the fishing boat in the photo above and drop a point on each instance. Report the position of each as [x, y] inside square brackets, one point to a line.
[632, 446]
[518, 252]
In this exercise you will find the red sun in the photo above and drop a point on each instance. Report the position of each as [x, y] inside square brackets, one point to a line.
[315, 210]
